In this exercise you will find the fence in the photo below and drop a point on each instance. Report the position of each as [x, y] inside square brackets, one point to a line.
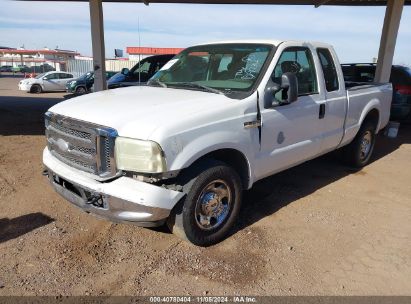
[82, 66]
[30, 65]
[75, 66]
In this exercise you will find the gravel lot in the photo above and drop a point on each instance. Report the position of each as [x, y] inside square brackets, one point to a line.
[317, 229]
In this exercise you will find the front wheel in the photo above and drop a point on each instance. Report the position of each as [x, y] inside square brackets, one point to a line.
[211, 206]
[36, 89]
[358, 153]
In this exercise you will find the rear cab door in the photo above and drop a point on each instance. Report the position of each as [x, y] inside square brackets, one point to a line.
[335, 107]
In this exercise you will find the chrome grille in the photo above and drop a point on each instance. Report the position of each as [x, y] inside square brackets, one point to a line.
[70, 131]
[82, 145]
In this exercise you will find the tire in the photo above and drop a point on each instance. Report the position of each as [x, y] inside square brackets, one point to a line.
[81, 90]
[36, 89]
[358, 153]
[210, 208]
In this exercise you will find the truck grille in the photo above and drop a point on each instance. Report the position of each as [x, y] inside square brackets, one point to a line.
[81, 145]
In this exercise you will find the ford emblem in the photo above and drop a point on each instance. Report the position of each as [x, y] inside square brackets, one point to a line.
[63, 145]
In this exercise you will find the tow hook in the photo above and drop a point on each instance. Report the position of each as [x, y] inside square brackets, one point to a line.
[96, 201]
[45, 172]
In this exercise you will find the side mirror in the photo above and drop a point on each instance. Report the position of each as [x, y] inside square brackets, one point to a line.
[289, 82]
[125, 71]
[45, 78]
[289, 88]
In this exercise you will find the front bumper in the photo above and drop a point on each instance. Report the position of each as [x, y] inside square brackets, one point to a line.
[70, 89]
[120, 200]
[24, 87]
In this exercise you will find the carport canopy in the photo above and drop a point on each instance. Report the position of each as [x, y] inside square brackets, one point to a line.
[387, 43]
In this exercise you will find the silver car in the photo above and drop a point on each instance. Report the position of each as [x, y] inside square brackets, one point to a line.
[46, 82]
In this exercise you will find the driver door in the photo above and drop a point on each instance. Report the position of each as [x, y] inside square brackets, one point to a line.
[291, 132]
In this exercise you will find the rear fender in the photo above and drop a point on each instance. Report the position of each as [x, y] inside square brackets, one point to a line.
[374, 104]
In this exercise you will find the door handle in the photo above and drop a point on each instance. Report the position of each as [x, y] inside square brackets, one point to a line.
[322, 111]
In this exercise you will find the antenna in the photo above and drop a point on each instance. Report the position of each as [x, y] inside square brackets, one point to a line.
[139, 53]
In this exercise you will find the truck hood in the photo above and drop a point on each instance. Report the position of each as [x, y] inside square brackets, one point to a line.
[137, 112]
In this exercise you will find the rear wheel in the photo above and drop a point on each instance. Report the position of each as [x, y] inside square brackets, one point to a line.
[36, 89]
[211, 206]
[358, 153]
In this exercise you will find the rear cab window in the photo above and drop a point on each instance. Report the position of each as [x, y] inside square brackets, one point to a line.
[329, 71]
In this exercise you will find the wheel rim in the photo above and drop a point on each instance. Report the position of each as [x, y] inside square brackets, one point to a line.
[36, 89]
[213, 205]
[81, 90]
[366, 144]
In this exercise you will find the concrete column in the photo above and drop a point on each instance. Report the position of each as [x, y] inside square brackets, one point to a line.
[97, 40]
[389, 34]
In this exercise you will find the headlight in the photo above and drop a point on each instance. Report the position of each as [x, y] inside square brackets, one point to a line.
[73, 84]
[139, 156]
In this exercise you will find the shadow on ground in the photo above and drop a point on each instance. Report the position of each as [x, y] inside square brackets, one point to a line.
[273, 193]
[24, 115]
[14, 228]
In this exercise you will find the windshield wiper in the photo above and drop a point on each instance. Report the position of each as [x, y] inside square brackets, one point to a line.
[158, 82]
[200, 86]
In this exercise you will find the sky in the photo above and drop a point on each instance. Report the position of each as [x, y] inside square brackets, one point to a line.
[354, 31]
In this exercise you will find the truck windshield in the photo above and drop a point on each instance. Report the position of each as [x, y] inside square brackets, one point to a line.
[215, 68]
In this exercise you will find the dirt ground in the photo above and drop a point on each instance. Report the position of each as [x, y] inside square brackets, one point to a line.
[317, 229]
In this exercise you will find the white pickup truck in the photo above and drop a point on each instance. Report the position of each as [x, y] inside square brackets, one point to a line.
[214, 120]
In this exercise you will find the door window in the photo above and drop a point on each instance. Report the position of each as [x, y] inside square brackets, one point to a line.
[298, 60]
[52, 76]
[65, 76]
[329, 71]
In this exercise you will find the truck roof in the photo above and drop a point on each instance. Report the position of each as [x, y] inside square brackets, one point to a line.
[270, 41]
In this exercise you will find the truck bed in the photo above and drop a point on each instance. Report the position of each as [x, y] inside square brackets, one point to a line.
[354, 84]
[366, 95]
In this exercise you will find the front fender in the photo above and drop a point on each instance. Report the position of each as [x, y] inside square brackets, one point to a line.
[183, 155]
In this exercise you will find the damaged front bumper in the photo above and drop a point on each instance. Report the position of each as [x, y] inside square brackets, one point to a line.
[120, 200]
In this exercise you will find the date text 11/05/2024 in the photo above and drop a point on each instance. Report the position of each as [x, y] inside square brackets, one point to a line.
[203, 299]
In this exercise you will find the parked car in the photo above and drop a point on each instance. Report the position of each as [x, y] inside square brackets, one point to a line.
[400, 78]
[84, 83]
[212, 122]
[140, 73]
[50, 81]
[43, 68]
[21, 68]
[6, 68]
